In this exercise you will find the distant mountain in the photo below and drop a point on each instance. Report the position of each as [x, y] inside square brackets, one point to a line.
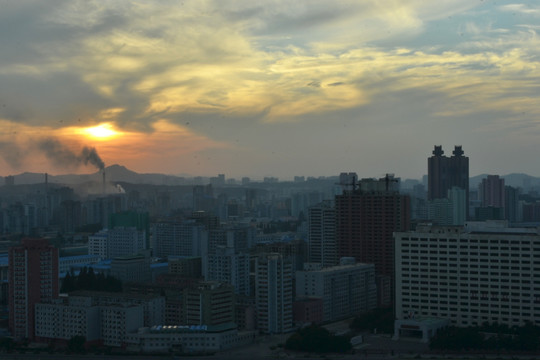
[30, 178]
[113, 173]
[119, 173]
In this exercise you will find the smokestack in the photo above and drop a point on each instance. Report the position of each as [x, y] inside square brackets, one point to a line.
[46, 179]
[103, 182]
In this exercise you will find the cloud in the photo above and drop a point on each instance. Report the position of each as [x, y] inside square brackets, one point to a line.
[230, 67]
[522, 9]
[171, 58]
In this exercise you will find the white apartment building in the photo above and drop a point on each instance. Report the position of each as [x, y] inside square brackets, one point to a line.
[226, 266]
[322, 234]
[118, 321]
[345, 290]
[120, 241]
[482, 272]
[97, 316]
[273, 293]
[57, 321]
[98, 244]
[177, 238]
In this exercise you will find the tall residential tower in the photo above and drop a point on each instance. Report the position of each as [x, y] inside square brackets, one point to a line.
[33, 279]
[445, 172]
[366, 218]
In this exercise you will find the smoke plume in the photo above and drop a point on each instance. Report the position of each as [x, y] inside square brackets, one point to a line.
[16, 153]
[90, 155]
[12, 153]
[61, 155]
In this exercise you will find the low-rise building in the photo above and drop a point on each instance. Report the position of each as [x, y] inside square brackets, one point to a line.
[105, 317]
[189, 339]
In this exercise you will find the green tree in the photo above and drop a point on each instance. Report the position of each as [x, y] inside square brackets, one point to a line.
[382, 319]
[7, 344]
[68, 284]
[76, 344]
[317, 339]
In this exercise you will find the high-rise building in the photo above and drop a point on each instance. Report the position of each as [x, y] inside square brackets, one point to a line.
[177, 238]
[33, 279]
[203, 198]
[120, 241]
[511, 204]
[484, 272]
[440, 211]
[210, 303]
[322, 234]
[366, 219]
[491, 191]
[273, 293]
[445, 172]
[227, 266]
[458, 198]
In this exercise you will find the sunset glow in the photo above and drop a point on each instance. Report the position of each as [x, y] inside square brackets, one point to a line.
[103, 131]
[272, 87]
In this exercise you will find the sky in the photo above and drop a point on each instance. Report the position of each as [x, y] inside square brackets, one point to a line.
[268, 88]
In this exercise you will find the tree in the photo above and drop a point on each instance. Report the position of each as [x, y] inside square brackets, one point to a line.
[7, 344]
[76, 344]
[68, 284]
[382, 319]
[317, 339]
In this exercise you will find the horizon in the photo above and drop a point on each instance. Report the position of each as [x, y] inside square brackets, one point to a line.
[252, 178]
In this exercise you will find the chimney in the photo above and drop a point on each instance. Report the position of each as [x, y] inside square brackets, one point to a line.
[103, 182]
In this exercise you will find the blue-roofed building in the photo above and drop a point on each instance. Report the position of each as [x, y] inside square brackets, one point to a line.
[158, 269]
[65, 263]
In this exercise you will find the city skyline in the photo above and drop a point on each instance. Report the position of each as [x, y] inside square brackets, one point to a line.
[268, 89]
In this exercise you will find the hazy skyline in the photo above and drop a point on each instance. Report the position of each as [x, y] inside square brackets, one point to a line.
[269, 88]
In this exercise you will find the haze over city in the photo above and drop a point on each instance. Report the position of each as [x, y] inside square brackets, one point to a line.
[278, 87]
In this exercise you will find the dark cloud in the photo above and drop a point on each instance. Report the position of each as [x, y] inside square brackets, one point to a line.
[48, 99]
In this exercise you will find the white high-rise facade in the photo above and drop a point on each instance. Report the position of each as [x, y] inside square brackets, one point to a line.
[345, 290]
[177, 238]
[120, 241]
[273, 293]
[482, 272]
[229, 267]
[322, 234]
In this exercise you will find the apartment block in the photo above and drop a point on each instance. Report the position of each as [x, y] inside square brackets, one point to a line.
[33, 279]
[482, 272]
[345, 290]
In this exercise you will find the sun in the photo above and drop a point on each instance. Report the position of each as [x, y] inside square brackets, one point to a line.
[102, 131]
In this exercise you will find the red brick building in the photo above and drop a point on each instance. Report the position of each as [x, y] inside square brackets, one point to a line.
[33, 278]
[366, 218]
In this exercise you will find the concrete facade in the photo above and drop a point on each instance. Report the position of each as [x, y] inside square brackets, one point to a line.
[345, 290]
[482, 272]
[33, 279]
[273, 293]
